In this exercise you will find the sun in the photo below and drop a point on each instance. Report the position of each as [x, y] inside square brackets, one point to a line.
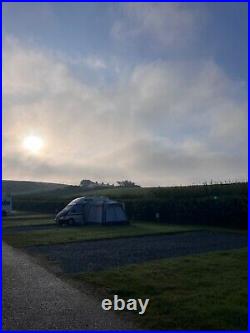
[33, 144]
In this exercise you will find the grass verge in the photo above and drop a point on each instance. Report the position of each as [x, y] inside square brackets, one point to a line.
[31, 220]
[74, 234]
[201, 292]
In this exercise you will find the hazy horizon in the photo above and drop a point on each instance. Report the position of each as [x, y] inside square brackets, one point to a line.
[155, 93]
[211, 182]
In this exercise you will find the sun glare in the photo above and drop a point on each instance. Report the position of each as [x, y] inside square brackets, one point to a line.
[33, 144]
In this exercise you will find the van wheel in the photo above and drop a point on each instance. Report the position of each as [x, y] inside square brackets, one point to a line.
[71, 222]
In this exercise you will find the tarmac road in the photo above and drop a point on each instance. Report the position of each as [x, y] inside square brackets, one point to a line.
[34, 299]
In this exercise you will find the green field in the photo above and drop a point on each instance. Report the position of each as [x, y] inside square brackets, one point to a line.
[223, 205]
[27, 219]
[202, 292]
[74, 234]
[25, 187]
[194, 191]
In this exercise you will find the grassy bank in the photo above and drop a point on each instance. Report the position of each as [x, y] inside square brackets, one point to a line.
[73, 234]
[206, 292]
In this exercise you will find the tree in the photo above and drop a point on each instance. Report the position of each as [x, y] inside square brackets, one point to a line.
[127, 183]
[86, 182]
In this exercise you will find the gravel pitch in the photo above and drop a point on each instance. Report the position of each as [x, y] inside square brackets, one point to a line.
[98, 255]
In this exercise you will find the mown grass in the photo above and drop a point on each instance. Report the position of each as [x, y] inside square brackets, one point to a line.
[27, 220]
[26, 216]
[202, 292]
[73, 234]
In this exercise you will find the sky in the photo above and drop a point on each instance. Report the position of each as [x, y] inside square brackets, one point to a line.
[151, 92]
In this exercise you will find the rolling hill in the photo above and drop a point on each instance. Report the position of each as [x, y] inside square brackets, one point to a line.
[14, 187]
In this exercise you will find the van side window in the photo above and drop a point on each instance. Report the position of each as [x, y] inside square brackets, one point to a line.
[76, 209]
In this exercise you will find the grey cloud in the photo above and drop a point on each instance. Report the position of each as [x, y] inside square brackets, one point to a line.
[154, 162]
[42, 170]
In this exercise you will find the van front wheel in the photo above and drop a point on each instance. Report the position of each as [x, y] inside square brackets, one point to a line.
[71, 222]
[60, 223]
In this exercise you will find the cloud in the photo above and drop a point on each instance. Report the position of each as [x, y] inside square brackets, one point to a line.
[184, 164]
[29, 72]
[95, 62]
[164, 25]
[167, 123]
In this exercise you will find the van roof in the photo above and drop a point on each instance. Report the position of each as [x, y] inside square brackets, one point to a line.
[94, 200]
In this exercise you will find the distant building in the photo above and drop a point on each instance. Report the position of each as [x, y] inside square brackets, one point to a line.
[6, 204]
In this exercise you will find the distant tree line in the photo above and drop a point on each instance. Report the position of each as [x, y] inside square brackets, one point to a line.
[89, 184]
[127, 183]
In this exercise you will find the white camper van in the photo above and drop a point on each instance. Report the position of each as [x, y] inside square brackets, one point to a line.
[92, 210]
